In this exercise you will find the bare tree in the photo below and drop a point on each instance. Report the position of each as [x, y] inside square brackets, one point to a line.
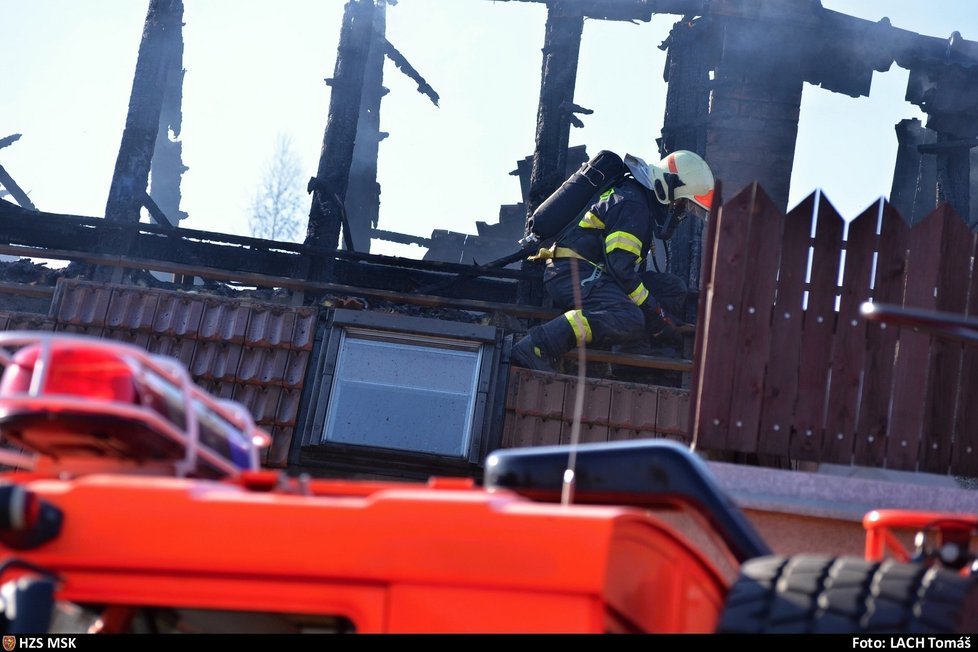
[276, 210]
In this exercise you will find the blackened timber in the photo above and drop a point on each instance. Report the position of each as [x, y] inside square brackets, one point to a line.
[131, 175]
[167, 166]
[286, 282]
[948, 93]
[24, 290]
[561, 49]
[57, 230]
[634, 360]
[405, 280]
[402, 238]
[152, 247]
[633, 9]
[757, 145]
[691, 55]
[855, 42]
[363, 190]
[405, 66]
[429, 265]
[913, 193]
[88, 234]
[954, 179]
[948, 145]
[15, 191]
[156, 212]
[330, 183]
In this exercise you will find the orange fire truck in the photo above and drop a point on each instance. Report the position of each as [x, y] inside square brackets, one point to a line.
[132, 501]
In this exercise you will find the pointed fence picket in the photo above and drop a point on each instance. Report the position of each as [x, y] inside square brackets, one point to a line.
[785, 365]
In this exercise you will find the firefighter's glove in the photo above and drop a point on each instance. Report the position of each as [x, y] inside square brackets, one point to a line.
[663, 328]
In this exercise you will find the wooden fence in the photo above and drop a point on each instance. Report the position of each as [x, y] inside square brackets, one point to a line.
[787, 366]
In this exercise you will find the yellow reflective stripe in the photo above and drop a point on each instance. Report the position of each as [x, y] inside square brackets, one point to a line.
[579, 324]
[623, 240]
[591, 221]
[639, 294]
[607, 193]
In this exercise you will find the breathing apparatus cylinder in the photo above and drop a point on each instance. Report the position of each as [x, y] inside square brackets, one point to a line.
[574, 196]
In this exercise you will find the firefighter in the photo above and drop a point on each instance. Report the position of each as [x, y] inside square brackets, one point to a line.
[608, 249]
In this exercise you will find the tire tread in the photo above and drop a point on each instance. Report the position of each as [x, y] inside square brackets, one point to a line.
[824, 594]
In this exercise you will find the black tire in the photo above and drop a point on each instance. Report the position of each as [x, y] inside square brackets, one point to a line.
[823, 594]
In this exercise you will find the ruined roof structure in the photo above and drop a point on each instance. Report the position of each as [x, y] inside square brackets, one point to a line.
[728, 99]
[362, 365]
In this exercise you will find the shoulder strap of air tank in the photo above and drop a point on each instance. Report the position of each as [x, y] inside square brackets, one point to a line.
[521, 253]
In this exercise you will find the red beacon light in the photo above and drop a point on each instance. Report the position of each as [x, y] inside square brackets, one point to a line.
[91, 373]
[75, 400]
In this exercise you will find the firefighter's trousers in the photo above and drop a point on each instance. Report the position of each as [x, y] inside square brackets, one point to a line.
[605, 316]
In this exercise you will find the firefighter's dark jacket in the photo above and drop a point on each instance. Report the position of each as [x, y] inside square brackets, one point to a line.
[617, 233]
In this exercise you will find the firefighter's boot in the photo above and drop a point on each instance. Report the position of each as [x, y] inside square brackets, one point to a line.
[543, 345]
[526, 354]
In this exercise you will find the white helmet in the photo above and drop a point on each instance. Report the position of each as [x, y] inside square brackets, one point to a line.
[680, 175]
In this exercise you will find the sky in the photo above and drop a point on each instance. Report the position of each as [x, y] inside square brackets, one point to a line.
[255, 71]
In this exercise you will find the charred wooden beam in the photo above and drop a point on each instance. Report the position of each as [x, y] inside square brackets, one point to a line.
[948, 145]
[48, 235]
[691, 56]
[561, 49]
[418, 281]
[405, 66]
[23, 289]
[288, 282]
[438, 266]
[155, 212]
[363, 191]
[948, 92]
[634, 360]
[913, 192]
[59, 230]
[329, 186]
[402, 238]
[8, 182]
[15, 191]
[167, 166]
[753, 126]
[132, 166]
[9, 140]
[632, 9]
[954, 177]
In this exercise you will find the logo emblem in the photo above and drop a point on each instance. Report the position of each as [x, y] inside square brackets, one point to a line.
[9, 643]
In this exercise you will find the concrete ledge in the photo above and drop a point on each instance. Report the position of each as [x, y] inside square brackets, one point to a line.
[832, 494]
